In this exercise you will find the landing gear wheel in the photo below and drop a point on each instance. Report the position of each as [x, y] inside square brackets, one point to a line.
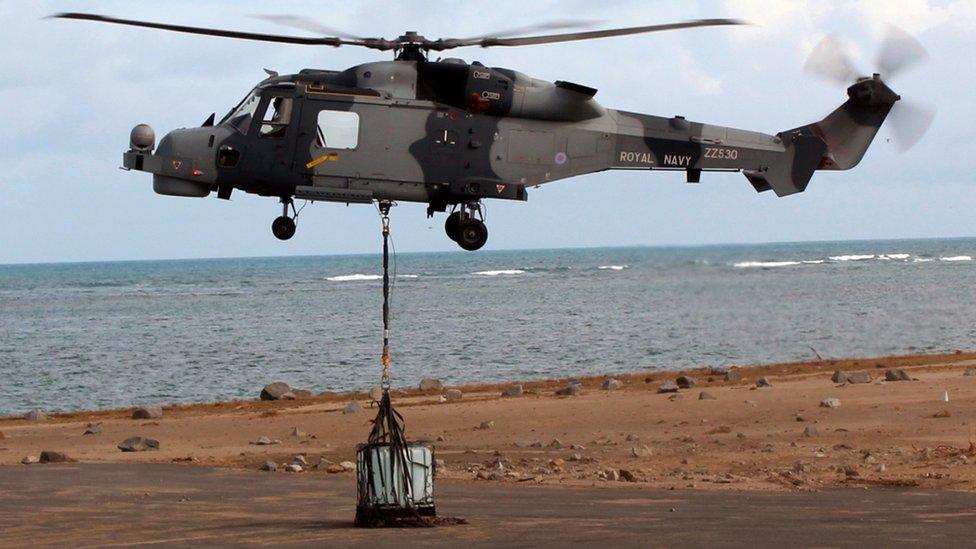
[472, 235]
[453, 226]
[283, 228]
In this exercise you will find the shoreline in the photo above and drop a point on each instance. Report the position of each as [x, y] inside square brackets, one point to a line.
[744, 438]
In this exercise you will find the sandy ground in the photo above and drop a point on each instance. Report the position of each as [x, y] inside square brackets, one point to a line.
[747, 438]
[171, 505]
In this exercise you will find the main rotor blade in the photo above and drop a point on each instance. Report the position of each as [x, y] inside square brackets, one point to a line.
[308, 24]
[830, 60]
[560, 24]
[909, 122]
[322, 41]
[899, 50]
[573, 36]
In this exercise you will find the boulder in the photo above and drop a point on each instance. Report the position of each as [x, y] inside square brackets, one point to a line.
[705, 396]
[859, 377]
[147, 412]
[347, 466]
[300, 459]
[29, 460]
[431, 384]
[269, 466]
[612, 384]
[453, 394]
[830, 403]
[290, 395]
[93, 429]
[293, 468]
[572, 389]
[275, 391]
[733, 376]
[763, 382]
[810, 431]
[353, 407]
[138, 444]
[35, 415]
[897, 375]
[685, 382]
[627, 476]
[301, 393]
[839, 377]
[668, 387]
[50, 456]
[513, 391]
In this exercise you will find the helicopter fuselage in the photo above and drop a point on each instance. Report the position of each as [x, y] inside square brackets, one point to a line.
[448, 132]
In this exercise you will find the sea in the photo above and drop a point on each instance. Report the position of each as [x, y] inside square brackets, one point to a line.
[104, 335]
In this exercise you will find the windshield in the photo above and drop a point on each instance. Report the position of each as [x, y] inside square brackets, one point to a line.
[240, 119]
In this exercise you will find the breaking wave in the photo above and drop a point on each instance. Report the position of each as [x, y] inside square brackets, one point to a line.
[353, 278]
[852, 257]
[612, 267]
[500, 272]
[764, 264]
[956, 258]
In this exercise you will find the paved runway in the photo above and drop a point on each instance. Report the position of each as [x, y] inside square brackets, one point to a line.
[93, 505]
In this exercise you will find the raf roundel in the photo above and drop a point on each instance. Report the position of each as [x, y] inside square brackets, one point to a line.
[561, 158]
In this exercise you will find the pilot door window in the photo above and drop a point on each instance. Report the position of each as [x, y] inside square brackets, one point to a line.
[338, 130]
[276, 118]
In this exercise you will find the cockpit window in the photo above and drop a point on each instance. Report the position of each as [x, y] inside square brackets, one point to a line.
[276, 117]
[240, 119]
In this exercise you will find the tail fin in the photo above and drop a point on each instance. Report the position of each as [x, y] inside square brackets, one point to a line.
[838, 142]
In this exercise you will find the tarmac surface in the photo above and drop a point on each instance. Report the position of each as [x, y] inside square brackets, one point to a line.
[106, 505]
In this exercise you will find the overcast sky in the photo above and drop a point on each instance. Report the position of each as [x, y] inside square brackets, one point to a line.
[72, 90]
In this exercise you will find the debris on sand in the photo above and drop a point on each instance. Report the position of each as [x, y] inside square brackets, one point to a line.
[763, 382]
[93, 429]
[641, 451]
[298, 433]
[452, 394]
[29, 460]
[430, 384]
[138, 444]
[50, 456]
[265, 441]
[147, 412]
[485, 425]
[35, 415]
[668, 387]
[513, 391]
[942, 414]
[571, 389]
[705, 396]
[810, 431]
[897, 375]
[353, 407]
[276, 391]
[269, 466]
[293, 468]
[685, 382]
[830, 403]
[612, 384]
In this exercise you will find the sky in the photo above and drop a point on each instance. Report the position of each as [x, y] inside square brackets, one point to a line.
[72, 90]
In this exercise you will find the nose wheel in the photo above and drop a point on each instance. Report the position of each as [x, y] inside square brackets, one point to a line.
[284, 227]
[464, 228]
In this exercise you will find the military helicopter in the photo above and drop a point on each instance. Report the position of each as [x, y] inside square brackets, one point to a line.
[452, 134]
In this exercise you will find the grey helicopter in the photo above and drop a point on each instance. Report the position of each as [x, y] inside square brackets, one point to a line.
[451, 134]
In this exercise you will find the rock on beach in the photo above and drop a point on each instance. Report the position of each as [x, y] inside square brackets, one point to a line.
[430, 384]
[147, 412]
[276, 391]
[139, 444]
[513, 391]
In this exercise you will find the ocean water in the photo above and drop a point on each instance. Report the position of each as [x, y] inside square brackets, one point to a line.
[96, 335]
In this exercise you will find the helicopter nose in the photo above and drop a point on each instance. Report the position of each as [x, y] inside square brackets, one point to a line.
[187, 163]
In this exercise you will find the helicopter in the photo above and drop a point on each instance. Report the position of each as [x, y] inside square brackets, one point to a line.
[452, 134]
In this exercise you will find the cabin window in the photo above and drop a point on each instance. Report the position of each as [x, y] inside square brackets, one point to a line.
[277, 117]
[338, 130]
